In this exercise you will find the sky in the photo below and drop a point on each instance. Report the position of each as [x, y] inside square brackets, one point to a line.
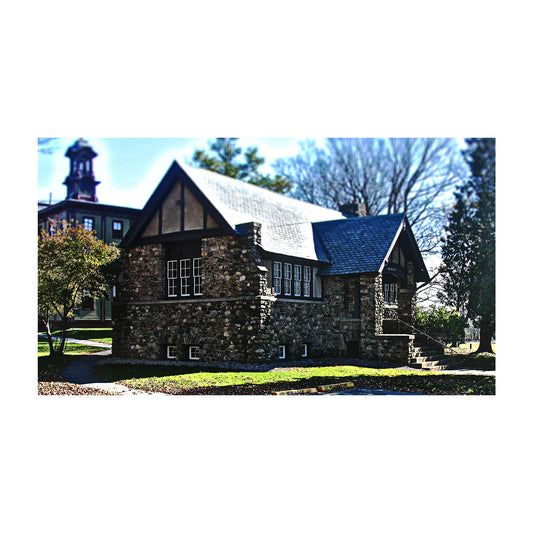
[130, 169]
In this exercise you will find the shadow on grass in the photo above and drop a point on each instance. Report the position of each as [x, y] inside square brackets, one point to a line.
[235, 382]
[50, 368]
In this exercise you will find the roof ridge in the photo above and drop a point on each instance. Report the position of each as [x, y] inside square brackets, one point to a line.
[257, 187]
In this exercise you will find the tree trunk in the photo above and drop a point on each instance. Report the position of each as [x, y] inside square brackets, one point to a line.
[485, 337]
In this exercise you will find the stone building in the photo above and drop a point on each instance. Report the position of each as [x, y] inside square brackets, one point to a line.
[215, 269]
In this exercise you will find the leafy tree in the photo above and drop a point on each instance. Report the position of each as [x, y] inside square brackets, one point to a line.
[72, 262]
[441, 322]
[469, 244]
[225, 157]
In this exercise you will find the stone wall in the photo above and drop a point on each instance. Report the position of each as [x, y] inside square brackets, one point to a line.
[237, 319]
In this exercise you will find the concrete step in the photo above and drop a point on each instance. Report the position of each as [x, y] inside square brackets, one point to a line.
[443, 363]
[423, 358]
[426, 351]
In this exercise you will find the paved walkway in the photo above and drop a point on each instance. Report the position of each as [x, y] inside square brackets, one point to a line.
[81, 371]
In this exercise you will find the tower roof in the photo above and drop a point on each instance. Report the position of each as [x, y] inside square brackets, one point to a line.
[80, 147]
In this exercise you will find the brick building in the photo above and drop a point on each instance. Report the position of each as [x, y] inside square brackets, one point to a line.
[215, 269]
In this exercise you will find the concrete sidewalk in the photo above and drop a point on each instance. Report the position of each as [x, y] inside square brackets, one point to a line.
[81, 371]
[78, 341]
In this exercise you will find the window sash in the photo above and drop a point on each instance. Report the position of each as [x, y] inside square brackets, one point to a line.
[197, 276]
[172, 278]
[277, 277]
[172, 352]
[88, 224]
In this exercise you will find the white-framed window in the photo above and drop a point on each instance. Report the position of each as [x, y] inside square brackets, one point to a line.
[297, 280]
[197, 276]
[281, 351]
[304, 354]
[194, 353]
[172, 278]
[172, 352]
[88, 223]
[185, 277]
[277, 277]
[307, 281]
[287, 278]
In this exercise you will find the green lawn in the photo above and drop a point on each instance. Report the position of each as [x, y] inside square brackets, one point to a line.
[70, 348]
[92, 334]
[199, 381]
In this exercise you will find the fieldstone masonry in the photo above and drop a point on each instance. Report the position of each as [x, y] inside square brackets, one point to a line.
[238, 319]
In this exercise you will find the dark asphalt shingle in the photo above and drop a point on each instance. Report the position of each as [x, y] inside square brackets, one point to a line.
[355, 245]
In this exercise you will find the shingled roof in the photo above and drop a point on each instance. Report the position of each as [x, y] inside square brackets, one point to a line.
[356, 245]
[285, 222]
[292, 227]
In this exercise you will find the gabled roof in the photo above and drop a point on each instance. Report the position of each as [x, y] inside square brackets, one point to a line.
[285, 222]
[362, 244]
[288, 226]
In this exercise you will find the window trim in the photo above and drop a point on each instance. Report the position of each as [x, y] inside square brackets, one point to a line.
[174, 277]
[297, 280]
[197, 276]
[115, 233]
[92, 221]
[287, 279]
[277, 268]
[189, 349]
[175, 348]
[306, 349]
[283, 349]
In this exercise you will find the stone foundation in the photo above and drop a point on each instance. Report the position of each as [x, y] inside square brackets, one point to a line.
[238, 319]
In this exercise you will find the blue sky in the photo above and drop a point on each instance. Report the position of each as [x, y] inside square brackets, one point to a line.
[129, 169]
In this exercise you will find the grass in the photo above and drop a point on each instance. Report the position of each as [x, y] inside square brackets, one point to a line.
[43, 349]
[94, 334]
[199, 381]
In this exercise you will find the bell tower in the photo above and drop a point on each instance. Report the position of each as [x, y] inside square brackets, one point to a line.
[80, 183]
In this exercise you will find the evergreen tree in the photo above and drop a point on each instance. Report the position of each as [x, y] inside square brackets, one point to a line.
[469, 250]
[224, 157]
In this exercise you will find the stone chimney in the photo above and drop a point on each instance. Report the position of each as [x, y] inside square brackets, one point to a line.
[353, 209]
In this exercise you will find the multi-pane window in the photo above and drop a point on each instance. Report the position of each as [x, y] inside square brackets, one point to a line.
[297, 280]
[390, 293]
[281, 351]
[287, 279]
[172, 352]
[184, 269]
[172, 278]
[118, 229]
[185, 277]
[197, 276]
[88, 223]
[307, 281]
[194, 353]
[277, 277]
